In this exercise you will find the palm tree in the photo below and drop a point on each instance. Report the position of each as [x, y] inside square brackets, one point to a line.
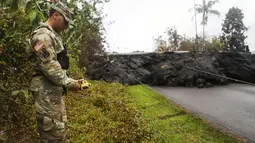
[195, 16]
[206, 9]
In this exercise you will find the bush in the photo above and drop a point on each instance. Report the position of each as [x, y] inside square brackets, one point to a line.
[16, 110]
[74, 71]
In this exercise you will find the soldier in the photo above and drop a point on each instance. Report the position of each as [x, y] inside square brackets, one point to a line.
[49, 77]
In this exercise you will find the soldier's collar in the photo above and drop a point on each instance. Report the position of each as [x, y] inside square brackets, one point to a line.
[50, 28]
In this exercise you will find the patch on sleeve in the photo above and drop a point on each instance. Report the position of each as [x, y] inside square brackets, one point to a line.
[38, 45]
[44, 53]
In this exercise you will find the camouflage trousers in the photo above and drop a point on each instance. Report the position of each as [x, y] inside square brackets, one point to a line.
[50, 110]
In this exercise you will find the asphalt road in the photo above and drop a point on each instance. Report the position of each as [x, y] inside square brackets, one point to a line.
[232, 106]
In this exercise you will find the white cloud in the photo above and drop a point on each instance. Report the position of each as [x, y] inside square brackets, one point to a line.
[138, 21]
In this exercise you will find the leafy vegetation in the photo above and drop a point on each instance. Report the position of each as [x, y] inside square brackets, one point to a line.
[173, 41]
[87, 37]
[233, 31]
[14, 68]
[104, 113]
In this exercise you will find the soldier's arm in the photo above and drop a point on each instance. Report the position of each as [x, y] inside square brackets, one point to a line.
[43, 46]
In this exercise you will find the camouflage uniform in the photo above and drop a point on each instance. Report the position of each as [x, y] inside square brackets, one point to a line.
[48, 81]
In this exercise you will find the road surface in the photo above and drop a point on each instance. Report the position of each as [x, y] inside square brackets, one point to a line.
[232, 106]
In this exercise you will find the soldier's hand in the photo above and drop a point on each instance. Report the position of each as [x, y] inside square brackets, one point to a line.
[80, 85]
[80, 80]
[77, 86]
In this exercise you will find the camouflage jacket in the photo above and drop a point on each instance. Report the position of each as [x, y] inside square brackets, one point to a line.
[45, 44]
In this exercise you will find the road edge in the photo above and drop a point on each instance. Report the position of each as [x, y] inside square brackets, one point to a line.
[214, 122]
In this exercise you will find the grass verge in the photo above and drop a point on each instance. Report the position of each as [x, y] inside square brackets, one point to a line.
[103, 113]
[114, 113]
[170, 123]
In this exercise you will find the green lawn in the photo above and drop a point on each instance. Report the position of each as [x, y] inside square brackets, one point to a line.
[170, 123]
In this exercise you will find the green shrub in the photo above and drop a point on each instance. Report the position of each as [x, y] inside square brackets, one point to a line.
[15, 70]
[74, 71]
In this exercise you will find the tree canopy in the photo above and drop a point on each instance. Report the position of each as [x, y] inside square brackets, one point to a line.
[233, 31]
[205, 9]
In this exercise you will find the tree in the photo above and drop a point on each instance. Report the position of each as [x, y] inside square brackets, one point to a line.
[216, 44]
[87, 38]
[187, 44]
[206, 9]
[161, 44]
[173, 39]
[233, 31]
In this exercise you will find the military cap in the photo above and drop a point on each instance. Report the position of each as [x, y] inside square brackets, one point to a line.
[65, 11]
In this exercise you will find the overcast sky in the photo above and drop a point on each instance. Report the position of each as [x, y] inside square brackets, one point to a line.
[138, 22]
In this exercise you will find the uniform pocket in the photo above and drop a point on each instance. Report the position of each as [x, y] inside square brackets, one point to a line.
[55, 127]
[48, 123]
[59, 129]
[54, 95]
